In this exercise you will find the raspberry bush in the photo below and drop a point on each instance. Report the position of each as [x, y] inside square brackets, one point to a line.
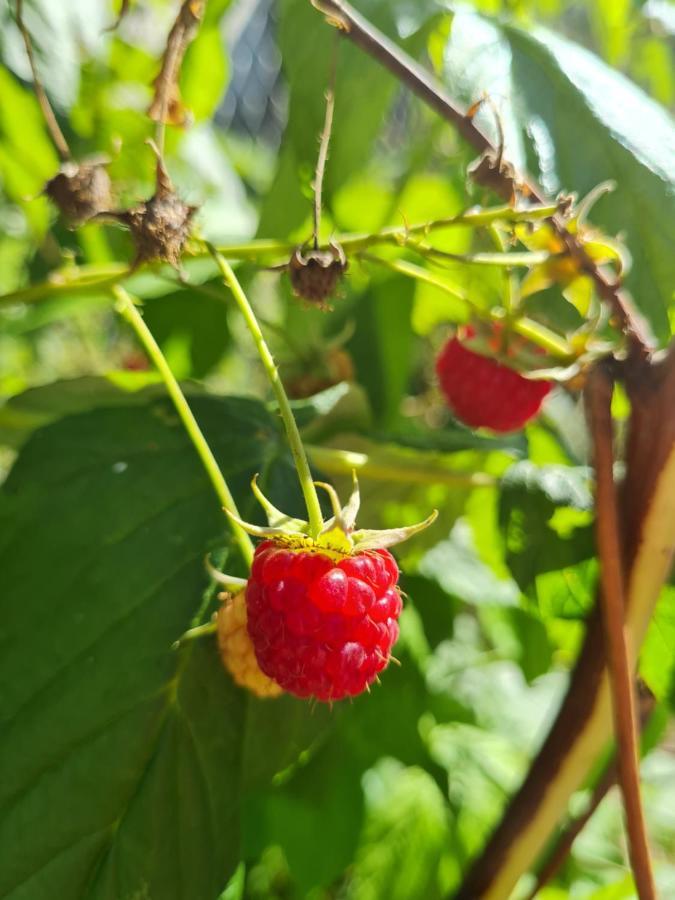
[257, 260]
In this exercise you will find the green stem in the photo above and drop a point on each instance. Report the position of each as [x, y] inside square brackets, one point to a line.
[543, 337]
[295, 441]
[128, 310]
[403, 267]
[397, 466]
[537, 334]
[86, 278]
[194, 634]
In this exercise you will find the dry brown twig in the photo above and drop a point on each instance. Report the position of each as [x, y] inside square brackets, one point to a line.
[57, 135]
[620, 664]
[79, 190]
[125, 6]
[315, 273]
[562, 846]
[167, 105]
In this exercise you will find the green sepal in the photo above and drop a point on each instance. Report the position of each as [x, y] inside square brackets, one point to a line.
[275, 517]
[337, 534]
[377, 539]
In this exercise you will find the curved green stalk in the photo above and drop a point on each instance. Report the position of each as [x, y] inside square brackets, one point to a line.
[535, 332]
[389, 464]
[128, 310]
[314, 516]
[81, 279]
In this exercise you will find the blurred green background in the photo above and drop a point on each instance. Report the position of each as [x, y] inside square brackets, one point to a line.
[135, 773]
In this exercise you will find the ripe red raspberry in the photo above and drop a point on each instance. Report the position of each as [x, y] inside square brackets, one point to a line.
[484, 393]
[322, 623]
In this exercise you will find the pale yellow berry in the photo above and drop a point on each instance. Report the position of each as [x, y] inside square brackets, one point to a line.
[236, 649]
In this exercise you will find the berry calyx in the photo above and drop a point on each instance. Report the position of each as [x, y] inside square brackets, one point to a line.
[315, 274]
[236, 649]
[322, 612]
[485, 393]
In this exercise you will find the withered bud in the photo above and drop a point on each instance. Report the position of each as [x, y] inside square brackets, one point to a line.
[159, 226]
[566, 204]
[315, 273]
[492, 171]
[80, 190]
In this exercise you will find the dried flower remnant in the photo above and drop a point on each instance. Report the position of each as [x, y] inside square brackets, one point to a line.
[80, 190]
[315, 273]
[159, 226]
[167, 104]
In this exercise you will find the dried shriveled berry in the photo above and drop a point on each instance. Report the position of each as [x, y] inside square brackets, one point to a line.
[159, 226]
[315, 274]
[322, 624]
[81, 191]
[236, 649]
[484, 393]
[307, 379]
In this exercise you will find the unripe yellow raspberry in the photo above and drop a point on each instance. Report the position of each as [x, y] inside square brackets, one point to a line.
[236, 649]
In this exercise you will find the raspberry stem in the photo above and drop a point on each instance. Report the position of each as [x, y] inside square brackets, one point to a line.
[129, 311]
[84, 278]
[314, 516]
[536, 333]
[395, 465]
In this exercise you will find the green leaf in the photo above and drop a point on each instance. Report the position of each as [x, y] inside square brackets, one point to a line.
[657, 657]
[204, 73]
[382, 345]
[122, 762]
[456, 566]
[195, 322]
[27, 158]
[544, 517]
[308, 46]
[574, 122]
[323, 798]
[404, 837]
[24, 413]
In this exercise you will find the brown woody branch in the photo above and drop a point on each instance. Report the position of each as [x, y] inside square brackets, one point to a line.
[364, 35]
[53, 126]
[612, 602]
[648, 540]
[562, 846]
[167, 105]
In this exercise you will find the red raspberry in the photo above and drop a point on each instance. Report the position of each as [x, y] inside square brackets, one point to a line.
[322, 624]
[483, 393]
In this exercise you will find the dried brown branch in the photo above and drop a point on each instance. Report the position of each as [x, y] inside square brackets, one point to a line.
[612, 601]
[502, 177]
[563, 845]
[167, 105]
[124, 9]
[583, 723]
[57, 135]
